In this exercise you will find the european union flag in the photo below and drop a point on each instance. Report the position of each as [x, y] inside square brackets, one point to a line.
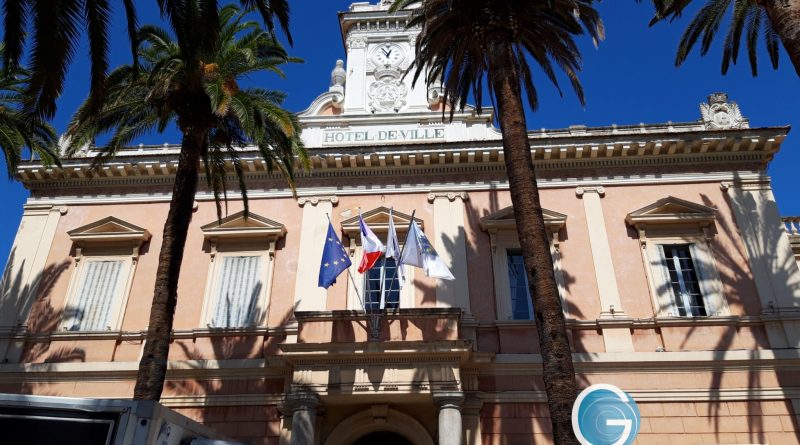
[334, 259]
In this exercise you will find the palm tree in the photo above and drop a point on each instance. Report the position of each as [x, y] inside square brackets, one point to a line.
[504, 35]
[774, 21]
[192, 80]
[17, 131]
[55, 31]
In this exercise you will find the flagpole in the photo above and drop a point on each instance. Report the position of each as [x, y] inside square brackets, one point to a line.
[349, 274]
[398, 263]
[355, 288]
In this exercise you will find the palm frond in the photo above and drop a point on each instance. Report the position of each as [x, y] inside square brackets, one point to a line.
[542, 32]
[748, 20]
[173, 72]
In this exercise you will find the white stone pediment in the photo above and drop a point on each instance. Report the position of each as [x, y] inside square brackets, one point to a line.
[671, 210]
[503, 219]
[237, 226]
[109, 230]
[378, 220]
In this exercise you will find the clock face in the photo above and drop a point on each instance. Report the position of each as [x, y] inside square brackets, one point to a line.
[387, 54]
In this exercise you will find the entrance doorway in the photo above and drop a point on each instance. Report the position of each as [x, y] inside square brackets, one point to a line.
[382, 438]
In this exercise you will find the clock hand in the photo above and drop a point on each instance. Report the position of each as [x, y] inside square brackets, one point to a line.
[385, 53]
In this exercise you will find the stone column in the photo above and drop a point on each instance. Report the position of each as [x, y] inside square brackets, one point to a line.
[471, 414]
[303, 408]
[615, 339]
[449, 405]
[313, 229]
[449, 240]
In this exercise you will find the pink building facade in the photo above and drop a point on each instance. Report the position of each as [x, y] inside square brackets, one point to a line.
[678, 278]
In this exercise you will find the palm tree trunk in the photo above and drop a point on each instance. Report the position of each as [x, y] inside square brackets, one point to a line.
[153, 365]
[558, 371]
[785, 18]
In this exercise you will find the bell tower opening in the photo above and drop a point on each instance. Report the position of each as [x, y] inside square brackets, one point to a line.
[382, 438]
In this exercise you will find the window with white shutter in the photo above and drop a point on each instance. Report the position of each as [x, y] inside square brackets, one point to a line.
[676, 238]
[238, 291]
[96, 301]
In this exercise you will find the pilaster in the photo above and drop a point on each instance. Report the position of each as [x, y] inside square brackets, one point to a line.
[354, 102]
[615, 339]
[313, 229]
[471, 417]
[450, 243]
[25, 270]
[771, 259]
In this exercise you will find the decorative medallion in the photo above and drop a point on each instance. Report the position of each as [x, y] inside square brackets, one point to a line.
[721, 114]
[387, 94]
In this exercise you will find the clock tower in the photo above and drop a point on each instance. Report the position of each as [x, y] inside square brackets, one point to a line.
[379, 51]
[370, 99]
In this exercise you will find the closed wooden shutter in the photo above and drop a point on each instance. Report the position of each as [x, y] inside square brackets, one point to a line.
[237, 292]
[97, 296]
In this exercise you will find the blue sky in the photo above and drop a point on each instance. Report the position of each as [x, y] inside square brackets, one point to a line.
[629, 79]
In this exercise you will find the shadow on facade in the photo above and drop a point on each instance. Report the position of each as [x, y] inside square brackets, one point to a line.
[252, 417]
[526, 419]
[29, 320]
[736, 282]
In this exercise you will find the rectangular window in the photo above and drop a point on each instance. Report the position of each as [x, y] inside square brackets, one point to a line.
[683, 280]
[521, 307]
[384, 272]
[238, 290]
[97, 297]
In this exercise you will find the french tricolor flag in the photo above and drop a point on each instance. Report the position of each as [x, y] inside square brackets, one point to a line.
[373, 247]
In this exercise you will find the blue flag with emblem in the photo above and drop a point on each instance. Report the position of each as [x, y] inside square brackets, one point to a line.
[334, 259]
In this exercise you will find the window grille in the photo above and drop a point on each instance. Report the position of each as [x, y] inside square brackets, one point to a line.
[683, 280]
[382, 272]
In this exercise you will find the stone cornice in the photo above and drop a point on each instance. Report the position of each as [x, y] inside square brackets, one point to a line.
[21, 334]
[648, 362]
[659, 396]
[405, 352]
[687, 362]
[648, 323]
[148, 165]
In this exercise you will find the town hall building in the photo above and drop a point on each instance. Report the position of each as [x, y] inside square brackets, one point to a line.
[677, 275]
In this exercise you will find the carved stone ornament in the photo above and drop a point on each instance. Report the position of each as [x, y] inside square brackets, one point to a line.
[721, 114]
[338, 75]
[387, 94]
[356, 42]
[314, 200]
[435, 95]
